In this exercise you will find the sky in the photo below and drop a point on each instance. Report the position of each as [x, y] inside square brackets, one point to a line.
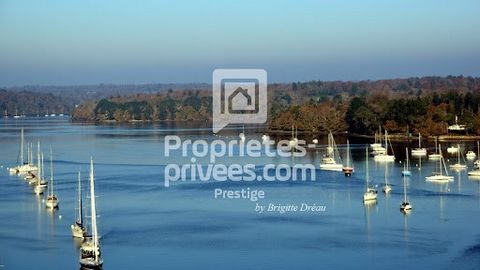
[67, 42]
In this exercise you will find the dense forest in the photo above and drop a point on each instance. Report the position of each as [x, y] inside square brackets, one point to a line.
[31, 103]
[427, 105]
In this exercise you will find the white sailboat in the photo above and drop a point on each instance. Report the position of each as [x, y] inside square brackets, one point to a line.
[90, 255]
[377, 148]
[456, 126]
[420, 151]
[52, 200]
[476, 164]
[458, 165]
[348, 169]
[329, 161]
[78, 229]
[265, 139]
[436, 155]
[370, 194]
[23, 167]
[386, 188]
[242, 134]
[438, 175]
[294, 140]
[385, 157]
[40, 183]
[452, 149]
[471, 155]
[405, 206]
[406, 166]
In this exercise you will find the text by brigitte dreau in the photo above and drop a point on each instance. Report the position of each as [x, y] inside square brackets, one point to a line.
[213, 170]
[257, 194]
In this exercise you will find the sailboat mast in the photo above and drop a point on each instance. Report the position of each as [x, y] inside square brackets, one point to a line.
[39, 163]
[93, 211]
[404, 189]
[51, 171]
[28, 153]
[31, 152]
[386, 143]
[458, 153]
[366, 168]
[80, 206]
[419, 141]
[43, 171]
[385, 174]
[348, 153]
[380, 134]
[21, 147]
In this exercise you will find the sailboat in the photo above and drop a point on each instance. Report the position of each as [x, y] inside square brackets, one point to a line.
[458, 165]
[452, 149]
[242, 134]
[40, 183]
[329, 163]
[386, 188]
[476, 164]
[471, 155]
[23, 167]
[52, 200]
[420, 151]
[294, 140]
[90, 255]
[16, 114]
[406, 166]
[405, 206]
[348, 170]
[441, 167]
[265, 139]
[385, 157]
[377, 147]
[78, 230]
[436, 155]
[370, 194]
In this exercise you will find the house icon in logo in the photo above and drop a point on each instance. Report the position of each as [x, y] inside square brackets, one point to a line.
[240, 101]
[239, 97]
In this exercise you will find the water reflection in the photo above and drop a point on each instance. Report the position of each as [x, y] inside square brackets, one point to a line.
[369, 207]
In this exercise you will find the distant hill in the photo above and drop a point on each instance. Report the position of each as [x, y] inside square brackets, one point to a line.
[38, 99]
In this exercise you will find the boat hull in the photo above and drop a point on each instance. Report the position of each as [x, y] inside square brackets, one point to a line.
[419, 152]
[347, 171]
[77, 231]
[384, 158]
[439, 178]
[474, 173]
[331, 167]
[51, 203]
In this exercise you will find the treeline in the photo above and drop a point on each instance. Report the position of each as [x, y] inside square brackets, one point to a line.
[188, 105]
[425, 105]
[31, 103]
[429, 114]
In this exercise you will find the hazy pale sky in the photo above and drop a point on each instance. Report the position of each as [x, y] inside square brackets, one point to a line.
[112, 41]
